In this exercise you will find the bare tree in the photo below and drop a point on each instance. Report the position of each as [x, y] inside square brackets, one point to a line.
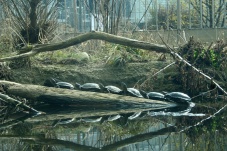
[32, 20]
[213, 12]
[110, 13]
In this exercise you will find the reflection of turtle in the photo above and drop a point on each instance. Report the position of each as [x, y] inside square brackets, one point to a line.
[63, 121]
[112, 89]
[153, 95]
[131, 91]
[177, 97]
[65, 85]
[89, 87]
[90, 120]
[135, 115]
[113, 118]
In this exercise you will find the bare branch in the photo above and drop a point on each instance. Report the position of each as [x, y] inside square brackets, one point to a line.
[89, 36]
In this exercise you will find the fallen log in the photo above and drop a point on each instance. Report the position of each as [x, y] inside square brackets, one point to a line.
[60, 96]
[33, 50]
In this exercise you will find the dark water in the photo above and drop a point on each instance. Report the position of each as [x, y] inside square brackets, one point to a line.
[201, 125]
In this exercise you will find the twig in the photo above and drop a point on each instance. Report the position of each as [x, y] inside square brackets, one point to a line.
[8, 99]
[156, 73]
[197, 70]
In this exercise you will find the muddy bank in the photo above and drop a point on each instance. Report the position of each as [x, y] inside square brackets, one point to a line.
[134, 73]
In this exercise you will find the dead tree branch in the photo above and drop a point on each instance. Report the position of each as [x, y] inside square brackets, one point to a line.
[89, 36]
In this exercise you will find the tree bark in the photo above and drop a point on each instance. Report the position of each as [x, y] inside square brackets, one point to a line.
[76, 97]
[89, 36]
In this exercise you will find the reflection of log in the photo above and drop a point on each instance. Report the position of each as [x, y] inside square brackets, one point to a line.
[112, 147]
[14, 122]
[75, 97]
[139, 138]
[89, 36]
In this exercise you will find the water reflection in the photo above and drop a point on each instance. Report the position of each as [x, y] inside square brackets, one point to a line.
[192, 127]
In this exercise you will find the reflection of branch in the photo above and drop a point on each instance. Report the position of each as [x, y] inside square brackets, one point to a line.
[139, 138]
[112, 147]
[56, 142]
[201, 122]
[14, 122]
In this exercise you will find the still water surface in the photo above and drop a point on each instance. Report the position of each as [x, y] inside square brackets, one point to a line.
[198, 126]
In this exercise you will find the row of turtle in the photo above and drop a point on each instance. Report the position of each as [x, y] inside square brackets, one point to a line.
[177, 97]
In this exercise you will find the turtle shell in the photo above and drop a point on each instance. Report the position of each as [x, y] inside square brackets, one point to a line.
[178, 97]
[155, 96]
[113, 89]
[134, 92]
[131, 91]
[89, 87]
[64, 85]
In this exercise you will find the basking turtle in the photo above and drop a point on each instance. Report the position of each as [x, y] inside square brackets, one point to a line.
[153, 95]
[131, 91]
[94, 87]
[177, 97]
[64, 85]
[112, 89]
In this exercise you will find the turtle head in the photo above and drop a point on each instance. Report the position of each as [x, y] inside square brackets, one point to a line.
[124, 87]
[77, 85]
[102, 87]
[143, 93]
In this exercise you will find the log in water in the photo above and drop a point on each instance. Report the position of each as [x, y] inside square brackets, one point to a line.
[61, 96]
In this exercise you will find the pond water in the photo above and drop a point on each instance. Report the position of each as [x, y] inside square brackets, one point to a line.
[197, 126]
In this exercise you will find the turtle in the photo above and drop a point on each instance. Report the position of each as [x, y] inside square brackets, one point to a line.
[153, 95]
[112, 89]
[131, 91]
[64, 85]
[177, 97]
[94, 87]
